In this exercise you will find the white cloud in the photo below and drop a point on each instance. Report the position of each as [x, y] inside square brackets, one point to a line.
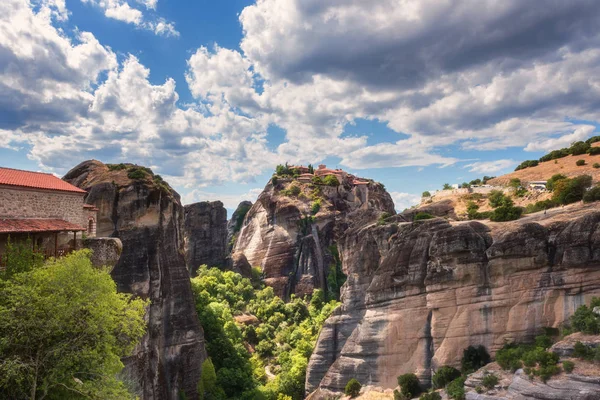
[488, 167]
[121, 10]
[581, 133]
[405, 200]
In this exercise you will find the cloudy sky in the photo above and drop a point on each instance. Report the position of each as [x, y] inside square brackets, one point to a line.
[213, 94]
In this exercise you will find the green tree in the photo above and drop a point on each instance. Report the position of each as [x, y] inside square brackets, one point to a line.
[592, 195]
[352, 388]
[444, 376]
[515, 183]
[578, 148]
[63, 331]
[426, 194]
[456, 388]
[506, 213]
[447, 186]
[331, 180]
[409, 385]
[20, 257]
[555, 178]
[207, 387]
[496, 198]
[567, 191]
[580, 163]
[311, 169]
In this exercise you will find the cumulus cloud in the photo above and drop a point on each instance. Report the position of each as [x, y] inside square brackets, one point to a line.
[403, 200]
[121, 10]
[581, 133]
[489, 167]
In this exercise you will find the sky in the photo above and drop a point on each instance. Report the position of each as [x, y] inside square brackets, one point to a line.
[213, 95]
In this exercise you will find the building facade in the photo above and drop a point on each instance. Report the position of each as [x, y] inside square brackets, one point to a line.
[44, 209]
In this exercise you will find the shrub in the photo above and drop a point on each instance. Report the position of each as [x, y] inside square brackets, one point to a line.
[554, 154]
[593, 151]
[444, 376]
[383, 217]
[422, 215]
[543, 341]
[496, 198]
[426, 194]
[486, 178]
[353, 388]
[409, 385]
[580, 163]
[274, 180]
[456, 388]
[555, 178]
[567, 191]
[568, 366]
[399, 396]
[596, 165]
[331, 180]
[474, 358]
[527, 164]
[447, 186]
[116, 167]
[515, 183]
[506, 213]
[292, 190]
[540, 206]
[548, 371]
[578, 148]
[315, 207]
[592, 195]
[490, 380]
[317, 180]
[431, 396]
[136, 173]
[582, 351]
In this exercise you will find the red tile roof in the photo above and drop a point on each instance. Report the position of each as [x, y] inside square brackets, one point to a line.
[37, 225]
[37, 180]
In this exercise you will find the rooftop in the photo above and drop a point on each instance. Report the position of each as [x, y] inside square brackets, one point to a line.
[36, 180]
[37, 225]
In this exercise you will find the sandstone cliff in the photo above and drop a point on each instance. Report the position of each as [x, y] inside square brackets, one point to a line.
[290, 238]
[146, 214]
[418, 293]
[205, 233]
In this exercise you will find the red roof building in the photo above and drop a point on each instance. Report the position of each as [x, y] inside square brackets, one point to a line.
[44, 209]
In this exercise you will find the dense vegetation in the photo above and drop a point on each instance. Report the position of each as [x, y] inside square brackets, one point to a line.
[266, 357]
[576, 148]
[64, 329]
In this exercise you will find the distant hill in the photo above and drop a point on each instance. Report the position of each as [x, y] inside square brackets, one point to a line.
[545, 170]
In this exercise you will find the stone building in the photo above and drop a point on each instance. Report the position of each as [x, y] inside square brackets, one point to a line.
[45, 209]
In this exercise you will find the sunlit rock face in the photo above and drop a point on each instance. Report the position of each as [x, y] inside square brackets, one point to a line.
[147, 216]
[291, 243]
[419, 293]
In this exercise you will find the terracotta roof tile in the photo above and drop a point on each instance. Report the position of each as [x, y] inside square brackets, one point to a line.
[37, 180]
[37, 225]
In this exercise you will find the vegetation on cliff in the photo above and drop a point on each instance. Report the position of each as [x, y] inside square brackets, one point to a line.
[64, 329]
[258, 344]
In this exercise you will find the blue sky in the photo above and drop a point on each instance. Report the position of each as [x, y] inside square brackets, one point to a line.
[212, 95]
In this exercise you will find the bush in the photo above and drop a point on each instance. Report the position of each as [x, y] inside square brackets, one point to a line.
[540, 206]
[423, 215]
[555, 154]
[496, 198]
[592, 195]
[456, 388]
[383, 217]
[409, 385]
[596, 165]
[292, 190]
[543, 341]
[136, 173]
[582, 351]
[353, 388]
[474, 358]
[315, 207]
[555, 178]
[506, 213]
[593, 151]
[431, 396]
[568, 366]
[444, 376]
[447, 186]
[331, 180]
[567, 191]
[426, 194]
[580, 163]
[548, 371]
[399, 396]
[317, 180]
[527, 164]
[490, 380]
[578, 148]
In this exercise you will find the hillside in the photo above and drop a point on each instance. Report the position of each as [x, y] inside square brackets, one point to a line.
[545, 170]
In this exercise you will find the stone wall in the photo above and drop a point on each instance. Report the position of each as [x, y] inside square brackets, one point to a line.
[29, 203]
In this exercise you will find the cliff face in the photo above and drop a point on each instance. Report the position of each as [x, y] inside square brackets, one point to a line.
[417, 294]
[205, 232]
[146, 214]
[290, 238]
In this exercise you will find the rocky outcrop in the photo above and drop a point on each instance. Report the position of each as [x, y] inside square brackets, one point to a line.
[290, 238]
[105, 251]
[418, 293]
[205, 233]
[234, 225]
[141, 210]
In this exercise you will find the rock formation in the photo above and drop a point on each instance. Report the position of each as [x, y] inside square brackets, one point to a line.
[418, 293]
[106, 251]
[234, 225]
[289, 237]
[141, 210]
[205, 232]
